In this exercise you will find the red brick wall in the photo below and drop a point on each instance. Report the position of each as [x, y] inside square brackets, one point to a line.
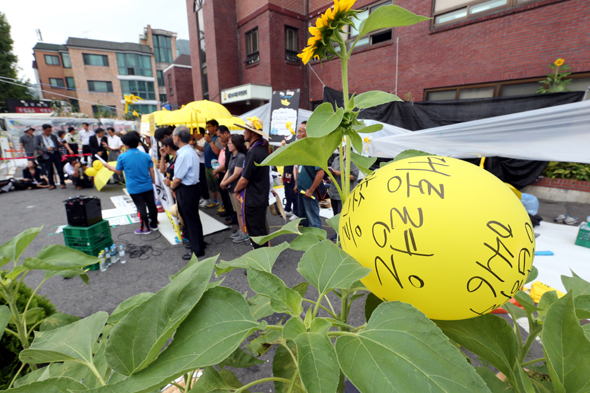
[498, 48]
[194, 45]
[566, 184]
[182, 85]
[53, 71]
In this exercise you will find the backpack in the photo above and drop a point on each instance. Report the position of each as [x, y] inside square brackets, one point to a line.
[321, 192]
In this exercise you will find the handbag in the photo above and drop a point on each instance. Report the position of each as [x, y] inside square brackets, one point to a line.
[39, 154]
[321, 192]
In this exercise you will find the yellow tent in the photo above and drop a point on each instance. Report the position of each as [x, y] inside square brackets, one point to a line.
[197, 113]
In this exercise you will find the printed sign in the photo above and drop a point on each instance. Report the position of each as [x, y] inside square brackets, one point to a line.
[284, 108]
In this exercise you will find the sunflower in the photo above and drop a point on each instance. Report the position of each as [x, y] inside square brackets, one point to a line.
[559, 62]
[326, 25]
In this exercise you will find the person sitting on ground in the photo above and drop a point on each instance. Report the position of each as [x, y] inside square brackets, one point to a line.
[73, 169]
[139, 173]
[230, 180]
[33, 178]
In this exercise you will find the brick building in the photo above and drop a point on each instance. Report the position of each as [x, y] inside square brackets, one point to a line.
[470, 49]
[94, 75]
[178, 77]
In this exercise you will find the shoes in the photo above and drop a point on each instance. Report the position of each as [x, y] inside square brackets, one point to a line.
[142, 231]
[154, 228]
[160, 208]
[201, 253]
[78, 188]
[221, 209]
[205, 202]
[241, 238]
[225, 214]
[560, 218]
[288, 213]
[51, 188]
[230, 221]
[187, 257]
[236, 235]
[212, 204]
[293, 217]
[63, 186]
[570, 220]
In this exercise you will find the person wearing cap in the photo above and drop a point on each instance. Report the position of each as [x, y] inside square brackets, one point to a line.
[27, 143]
[254, 186]
[71, 140]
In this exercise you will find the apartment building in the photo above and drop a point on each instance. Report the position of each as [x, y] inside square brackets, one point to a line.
[53, 70]
[163, 44]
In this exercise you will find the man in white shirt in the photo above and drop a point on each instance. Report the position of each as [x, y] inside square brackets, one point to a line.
[85, 135]
[114, 146]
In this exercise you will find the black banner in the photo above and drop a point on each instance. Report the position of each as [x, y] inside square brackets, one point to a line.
[284, 108]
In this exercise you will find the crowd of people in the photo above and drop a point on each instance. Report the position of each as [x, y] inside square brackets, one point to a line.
[203, 168]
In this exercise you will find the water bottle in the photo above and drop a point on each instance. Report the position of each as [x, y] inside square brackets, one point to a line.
[122, 256]
[103, 262]
[114, 254]
[107, 256]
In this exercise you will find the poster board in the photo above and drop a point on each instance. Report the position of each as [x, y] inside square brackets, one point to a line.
[284, 107]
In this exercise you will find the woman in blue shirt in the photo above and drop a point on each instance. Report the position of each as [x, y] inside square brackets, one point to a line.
[139, 175]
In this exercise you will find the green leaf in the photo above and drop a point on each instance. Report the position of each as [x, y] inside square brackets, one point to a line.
[292, 227]
[52, 385]
[577, 285]
[318, 367]
[532, 275]
[494, 383]
[362, 129]
[526, 301]
[371, 303]
[33, 376]
[261, 259]
[260, 306]
[222, 316]
[386, 17]
[304, 242]
[567, 349]
[127, 305]
[16, 271]
[283, 366]
[70, 342]
[230, 379]
[306, 151]
[410, 154]
[323, 120]
[287, 300]
[31, 317]
[582, 304]
[363, 163]
[14, 248]
[319, 233]
[57, 320]
[333, 222]
[211, 381]
[374, 98]
[542, 386]
[138, 338]
[58, 257]
[490, 337]
[4, 318]
[355, 138]
[193, 261]
[401, 350]
[586, 329]
[264, 342]
[4, 261]
[240, 359]
[301, 288]
[328, 267]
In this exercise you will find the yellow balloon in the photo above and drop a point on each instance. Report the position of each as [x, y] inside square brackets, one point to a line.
[90, 172]
[97, 165]
[441, 234]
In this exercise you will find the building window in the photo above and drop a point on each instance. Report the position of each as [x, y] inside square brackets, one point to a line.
[291, 44]
[160, 75]
[65, 59]
[376, 37]
[143, 109]
[70, 82]
[56, 82]
[163, 98]
[142, 89]
[163, 48]
[252, 47]
[99, 109]
[51, 60]
[170, 89]
[100, 86]
[95, 60]
[133, 64]
[449, 11]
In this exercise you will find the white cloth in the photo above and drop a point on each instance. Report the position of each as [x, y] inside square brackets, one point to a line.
[140, 148]
[85, 137]
[201, 142]
[48, 141]
[69, 169]
[114, 142]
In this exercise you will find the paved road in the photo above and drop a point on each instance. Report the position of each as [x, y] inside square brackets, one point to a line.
[25, 209]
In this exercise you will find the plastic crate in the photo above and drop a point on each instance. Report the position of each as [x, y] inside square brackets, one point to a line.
[94, 251]
[583, 235]
[87, 237]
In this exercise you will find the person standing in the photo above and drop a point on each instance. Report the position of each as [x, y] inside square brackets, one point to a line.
[49, 145]
[114, 147]
[223, 135]
[139, 172]
[71, 140]
[200, 149]
[212, 148]
[97, 144]
[185, 187]
[254, 185]
[85, 135]
[64, 148]
[230, 180]
[335, 170]
[307, 180]
[290, 194]
[27, 143]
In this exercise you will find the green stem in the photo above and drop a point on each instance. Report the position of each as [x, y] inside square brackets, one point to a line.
[341, 383]
[269, 379]
[533, 361]
[333, 314]
[94, 370]
[341, 158]
[275, 327]
[292, 385]
[290, 353]
[340, 333]
[27, 306]
[331, 308]
[188, 382]
[177, 385]
[317, 306]
[359, 328]
[345, 307]
[529, 341]
[16, 375]
[516, 328]
[7, 330]
[335, 182]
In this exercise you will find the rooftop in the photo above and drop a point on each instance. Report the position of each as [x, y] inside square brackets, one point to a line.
[108, 45]
[52, 47]
[183, 60]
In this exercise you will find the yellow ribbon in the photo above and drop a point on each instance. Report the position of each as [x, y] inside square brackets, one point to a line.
[135, 114]
[129, 100]
[368, 142]
[256, 122]
[288, 125]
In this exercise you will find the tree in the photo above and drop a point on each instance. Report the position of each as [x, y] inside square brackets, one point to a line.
[9, 68]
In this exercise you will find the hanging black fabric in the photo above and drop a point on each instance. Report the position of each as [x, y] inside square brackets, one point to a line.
[429, 114]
